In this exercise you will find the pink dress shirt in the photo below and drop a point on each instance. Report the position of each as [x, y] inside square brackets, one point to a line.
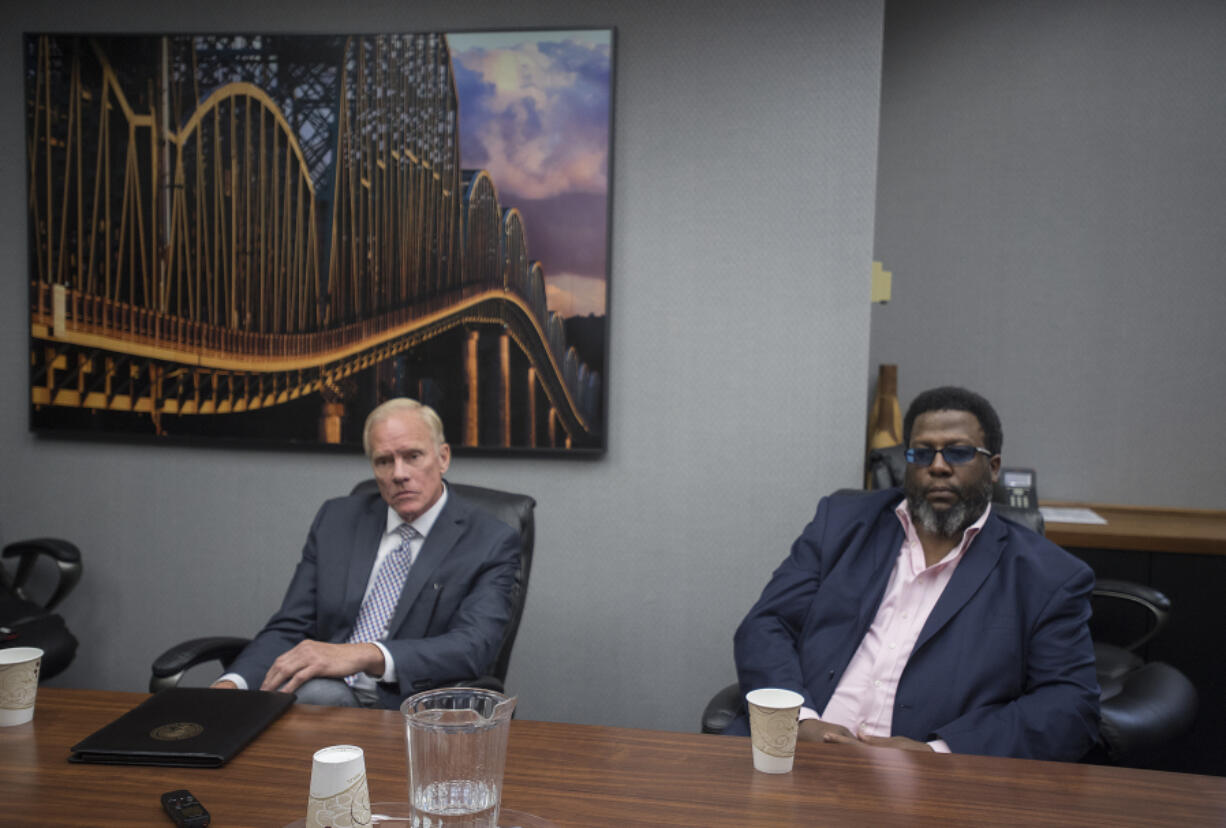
[863, 701]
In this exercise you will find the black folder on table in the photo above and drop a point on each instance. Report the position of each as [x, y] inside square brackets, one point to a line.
[184, 727]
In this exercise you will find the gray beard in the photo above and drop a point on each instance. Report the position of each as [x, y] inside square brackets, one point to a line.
[952, 522]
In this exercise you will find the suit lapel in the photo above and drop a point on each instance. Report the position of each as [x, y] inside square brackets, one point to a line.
[883, 544]
[443, 537]
[367, 535]
[977, 563]
[852, 589]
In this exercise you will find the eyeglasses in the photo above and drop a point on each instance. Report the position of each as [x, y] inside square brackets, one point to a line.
[954, 455]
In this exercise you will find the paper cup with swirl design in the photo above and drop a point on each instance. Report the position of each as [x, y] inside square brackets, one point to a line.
[772, 726]
[18, 684]
[339, 796]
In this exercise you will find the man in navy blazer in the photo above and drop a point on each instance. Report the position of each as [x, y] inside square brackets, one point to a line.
[919, 619]
[450, 613]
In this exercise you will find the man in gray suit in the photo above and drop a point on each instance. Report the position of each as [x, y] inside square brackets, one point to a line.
[395, 593]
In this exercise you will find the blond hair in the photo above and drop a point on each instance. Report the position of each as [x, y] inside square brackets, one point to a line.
[397, 405]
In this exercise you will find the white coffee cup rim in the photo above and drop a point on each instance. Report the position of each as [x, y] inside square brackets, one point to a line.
[19, 655]
[775, 697]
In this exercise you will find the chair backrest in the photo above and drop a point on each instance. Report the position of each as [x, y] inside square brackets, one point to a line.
[29, 622]
[518, 512]
[886, 467]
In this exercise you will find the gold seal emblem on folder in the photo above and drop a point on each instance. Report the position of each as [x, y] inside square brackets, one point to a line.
[176, 731]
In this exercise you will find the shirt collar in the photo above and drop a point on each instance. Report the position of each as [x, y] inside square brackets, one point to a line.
[425, 521]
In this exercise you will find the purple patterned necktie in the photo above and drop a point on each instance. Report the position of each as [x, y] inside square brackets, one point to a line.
[378, 606]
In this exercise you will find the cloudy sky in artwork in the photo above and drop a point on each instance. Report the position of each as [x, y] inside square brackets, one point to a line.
[534, 112]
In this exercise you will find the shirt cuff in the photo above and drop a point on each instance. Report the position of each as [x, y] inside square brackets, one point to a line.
[239, 681]
[389, 665]
[807, 713]
[939, 746]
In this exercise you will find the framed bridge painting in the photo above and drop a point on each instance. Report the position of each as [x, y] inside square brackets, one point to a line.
[258, 238]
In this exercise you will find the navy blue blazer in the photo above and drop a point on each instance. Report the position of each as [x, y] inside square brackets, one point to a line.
[1003, 666]
[452, 612]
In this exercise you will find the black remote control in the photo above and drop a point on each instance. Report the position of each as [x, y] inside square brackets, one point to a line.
[185, 809]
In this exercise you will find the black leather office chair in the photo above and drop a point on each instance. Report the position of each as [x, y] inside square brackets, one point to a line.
[1144, 705]
[26, 622]
[886, 467]
[515, 510]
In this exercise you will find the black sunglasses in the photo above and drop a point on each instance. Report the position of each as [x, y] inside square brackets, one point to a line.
[954, 455]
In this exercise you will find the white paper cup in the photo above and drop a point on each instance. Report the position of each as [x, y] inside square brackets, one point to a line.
[18, 684]
[339, 796]
[772, 726]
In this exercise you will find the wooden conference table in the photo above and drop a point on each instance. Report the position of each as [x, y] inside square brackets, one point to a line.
[579, 775]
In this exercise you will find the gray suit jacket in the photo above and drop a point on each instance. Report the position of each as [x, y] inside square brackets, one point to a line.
[452, 611]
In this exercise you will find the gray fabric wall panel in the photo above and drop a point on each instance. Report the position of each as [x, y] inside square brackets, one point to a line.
[1050, 202]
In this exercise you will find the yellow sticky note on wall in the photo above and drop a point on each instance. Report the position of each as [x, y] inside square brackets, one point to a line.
[881, 284]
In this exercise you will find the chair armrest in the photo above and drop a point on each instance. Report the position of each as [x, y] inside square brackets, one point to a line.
[1147, 596]
[1156, 704]
[1112, 663]
[169, 667]
[67, 558]
[722, 709]
[1150, 599]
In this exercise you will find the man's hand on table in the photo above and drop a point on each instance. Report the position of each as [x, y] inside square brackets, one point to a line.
[815, 730]
[311, 659]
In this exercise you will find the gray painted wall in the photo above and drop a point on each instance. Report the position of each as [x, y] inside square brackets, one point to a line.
[745, 163]
[1050, 200]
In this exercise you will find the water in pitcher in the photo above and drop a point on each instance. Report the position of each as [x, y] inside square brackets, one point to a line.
[456, 742]
[457, 803]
